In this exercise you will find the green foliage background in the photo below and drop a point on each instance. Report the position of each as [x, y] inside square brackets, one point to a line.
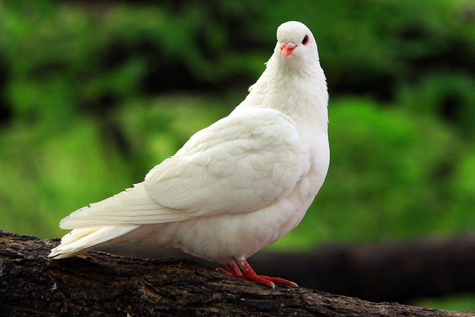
[93, 95]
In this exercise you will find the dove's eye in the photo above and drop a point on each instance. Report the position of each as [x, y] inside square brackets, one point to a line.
[305, 40]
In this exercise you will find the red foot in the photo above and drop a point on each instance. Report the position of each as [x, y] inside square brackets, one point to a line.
[224, 271]
[242, 269]
[279, 280]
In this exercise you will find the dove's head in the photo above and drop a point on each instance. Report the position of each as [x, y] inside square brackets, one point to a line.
[295, 43]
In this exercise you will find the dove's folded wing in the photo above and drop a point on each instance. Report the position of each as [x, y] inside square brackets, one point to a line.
[131, 207]
[239, 164]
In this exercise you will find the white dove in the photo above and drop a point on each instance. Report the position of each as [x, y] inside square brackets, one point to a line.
[236, 186]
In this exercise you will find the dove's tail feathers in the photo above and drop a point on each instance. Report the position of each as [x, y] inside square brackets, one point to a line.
[82, 240]
[131, 207]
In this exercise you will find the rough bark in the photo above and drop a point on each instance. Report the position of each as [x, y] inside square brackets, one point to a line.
[100, 284]
[386, 271]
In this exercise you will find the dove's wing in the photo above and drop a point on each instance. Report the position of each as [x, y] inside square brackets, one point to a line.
[239, 164]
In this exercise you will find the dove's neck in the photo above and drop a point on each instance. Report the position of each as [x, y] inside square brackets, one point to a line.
[299, 93]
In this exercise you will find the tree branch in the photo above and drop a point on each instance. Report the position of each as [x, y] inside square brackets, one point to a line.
[100, 284]
[385, 271]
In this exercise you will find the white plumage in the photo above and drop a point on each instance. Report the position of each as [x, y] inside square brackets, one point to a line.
[236, 186]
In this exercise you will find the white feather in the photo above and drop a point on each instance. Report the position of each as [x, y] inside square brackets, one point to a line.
[81, 239]
[128, 208]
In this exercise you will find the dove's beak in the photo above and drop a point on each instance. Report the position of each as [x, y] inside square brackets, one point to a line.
[286, 49]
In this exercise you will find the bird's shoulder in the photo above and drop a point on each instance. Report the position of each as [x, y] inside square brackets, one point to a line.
[247, 127]
[239, 164]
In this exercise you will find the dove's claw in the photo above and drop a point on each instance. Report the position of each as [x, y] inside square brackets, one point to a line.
[279, 280]
[259, 279]
[224, 271]
[242, 269]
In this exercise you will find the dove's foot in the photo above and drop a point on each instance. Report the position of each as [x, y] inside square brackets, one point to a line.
[242, 269]
[279, 280]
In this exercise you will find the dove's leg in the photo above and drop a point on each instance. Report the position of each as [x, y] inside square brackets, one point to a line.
[250, 273]
[242, 269]
[233, 270]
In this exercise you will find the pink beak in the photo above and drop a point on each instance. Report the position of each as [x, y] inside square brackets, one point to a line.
[286, 49]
